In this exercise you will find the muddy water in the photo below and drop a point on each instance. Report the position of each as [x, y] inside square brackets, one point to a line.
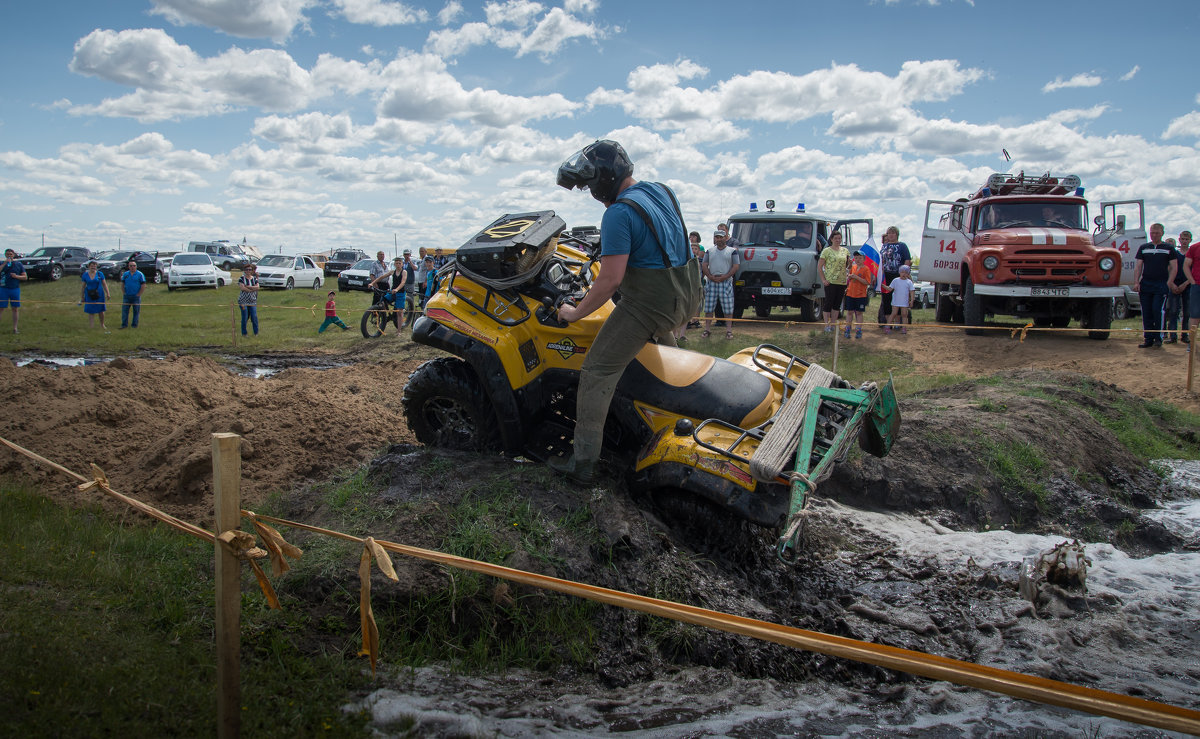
[1137, 632]
[258, 366]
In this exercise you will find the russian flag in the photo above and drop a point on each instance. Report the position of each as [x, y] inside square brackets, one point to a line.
[870, 251]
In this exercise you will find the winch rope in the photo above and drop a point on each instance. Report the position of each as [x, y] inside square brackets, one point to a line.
[777, 451]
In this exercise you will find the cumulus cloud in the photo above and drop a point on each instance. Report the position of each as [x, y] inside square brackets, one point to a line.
[1080, 80]
[380, 12]
[1078, 114]
[1130, 74]
[522, 26]
[202, 209]
[449, 13]
[273, 19]
[1187, 126]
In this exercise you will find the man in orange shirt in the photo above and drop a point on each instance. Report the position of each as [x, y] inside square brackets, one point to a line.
[855, 305]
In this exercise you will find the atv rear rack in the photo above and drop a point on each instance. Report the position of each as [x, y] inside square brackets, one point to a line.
[819, 420]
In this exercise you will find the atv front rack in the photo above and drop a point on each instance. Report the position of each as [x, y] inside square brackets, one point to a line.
[819, 420]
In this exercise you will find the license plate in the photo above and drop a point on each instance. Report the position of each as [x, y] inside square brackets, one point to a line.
[196, 280]
[1050, 292]
[776, 291]
[354, 282]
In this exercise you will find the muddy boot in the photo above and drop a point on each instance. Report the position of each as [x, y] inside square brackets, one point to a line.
[583, 473]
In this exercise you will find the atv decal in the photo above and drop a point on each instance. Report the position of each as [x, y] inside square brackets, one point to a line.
[566, 348]
[508, 229]
[723, 467]
[443, 316]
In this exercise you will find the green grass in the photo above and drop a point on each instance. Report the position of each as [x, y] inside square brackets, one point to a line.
[181, 320]
[108, 627]
[1019, 466]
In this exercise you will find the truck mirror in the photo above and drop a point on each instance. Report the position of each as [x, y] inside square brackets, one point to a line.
[1120, 224]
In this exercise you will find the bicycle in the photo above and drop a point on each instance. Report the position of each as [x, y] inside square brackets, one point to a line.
[380, 314]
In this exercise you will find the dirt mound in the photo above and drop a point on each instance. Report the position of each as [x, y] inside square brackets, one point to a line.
[148, 423]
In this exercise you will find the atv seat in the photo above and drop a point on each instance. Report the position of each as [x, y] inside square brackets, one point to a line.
[698, 386]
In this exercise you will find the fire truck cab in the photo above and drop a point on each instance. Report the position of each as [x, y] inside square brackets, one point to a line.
[1019, 246]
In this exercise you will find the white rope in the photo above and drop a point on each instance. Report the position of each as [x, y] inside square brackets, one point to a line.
[778, 447]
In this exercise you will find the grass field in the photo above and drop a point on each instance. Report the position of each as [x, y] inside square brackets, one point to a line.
[51, 322]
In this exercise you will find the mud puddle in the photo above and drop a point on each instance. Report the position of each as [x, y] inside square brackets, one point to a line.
[906, 580]
[257, 366]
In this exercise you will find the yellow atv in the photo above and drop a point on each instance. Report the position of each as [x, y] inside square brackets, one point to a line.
[753, 433]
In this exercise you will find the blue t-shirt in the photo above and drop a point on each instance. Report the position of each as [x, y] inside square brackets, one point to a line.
[6, 274]
[893, 256]
[133, 281]
[622, 230]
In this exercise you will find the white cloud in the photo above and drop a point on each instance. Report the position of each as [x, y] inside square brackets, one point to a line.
[1130, 74]
[1080, 80]
[449, 13]
[380, 12]
[1078, 114]
[273, 19]
[520, 25]
[1185, 126]
[202, 209]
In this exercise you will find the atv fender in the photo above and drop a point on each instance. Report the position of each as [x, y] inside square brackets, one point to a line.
[486, 363]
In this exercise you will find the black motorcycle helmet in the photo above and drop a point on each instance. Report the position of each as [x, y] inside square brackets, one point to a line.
[601, 167]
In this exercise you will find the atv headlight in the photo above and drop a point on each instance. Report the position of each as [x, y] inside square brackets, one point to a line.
[1106, 264]
[990, 262]
[793, 268]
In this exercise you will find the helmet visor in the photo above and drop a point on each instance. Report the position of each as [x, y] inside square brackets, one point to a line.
[576, 171]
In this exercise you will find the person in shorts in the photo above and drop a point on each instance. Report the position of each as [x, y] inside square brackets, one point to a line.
[902, 289]
[12, 274]
[719, 266]
[834, 267]
[858, 280]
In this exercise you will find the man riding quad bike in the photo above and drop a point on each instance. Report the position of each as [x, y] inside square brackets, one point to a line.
[752, 434]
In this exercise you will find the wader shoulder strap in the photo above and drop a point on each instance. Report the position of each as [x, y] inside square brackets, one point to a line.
[637, 208]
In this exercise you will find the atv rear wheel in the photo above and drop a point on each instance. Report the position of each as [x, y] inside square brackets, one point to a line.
[446, 406]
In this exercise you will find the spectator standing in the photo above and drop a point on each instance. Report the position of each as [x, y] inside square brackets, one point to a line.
[248, 297]
[834, 268]
[902, 289]
[857, 283]
[1155, 270]
[1177, 298]
[12, 274]
[378, 267]
[433, 283]
[133, 284]
[410, 284]
[893, 255]
[1191, 268]
[422, 272]
[331, 316]
[94, 296]
[720, 264]
[394, 295]
[439, 259]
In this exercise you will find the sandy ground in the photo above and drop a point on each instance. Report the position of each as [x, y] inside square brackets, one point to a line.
[148, 422]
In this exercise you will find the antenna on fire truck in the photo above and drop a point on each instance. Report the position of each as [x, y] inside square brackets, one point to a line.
[1007, 158]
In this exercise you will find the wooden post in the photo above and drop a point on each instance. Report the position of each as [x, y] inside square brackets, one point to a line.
[836, 332]
[227, 477]
[233, 322]
[1192, 354]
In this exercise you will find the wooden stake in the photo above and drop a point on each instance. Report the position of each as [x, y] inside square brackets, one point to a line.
[1192, 355]
[227, 476]
[233, 324]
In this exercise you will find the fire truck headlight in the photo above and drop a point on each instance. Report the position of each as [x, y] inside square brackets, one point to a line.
[1107, 263]
[990, 263]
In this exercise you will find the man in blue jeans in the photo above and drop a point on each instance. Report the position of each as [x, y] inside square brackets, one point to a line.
[134, 283]
[1155, 270]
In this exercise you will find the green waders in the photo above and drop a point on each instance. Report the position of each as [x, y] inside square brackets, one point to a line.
[654, 302]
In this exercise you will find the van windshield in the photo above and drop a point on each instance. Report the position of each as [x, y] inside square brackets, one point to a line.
[793, 234]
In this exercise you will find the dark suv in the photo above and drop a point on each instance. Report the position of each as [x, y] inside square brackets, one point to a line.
[343, 259]
[52, 262]
[147, 263]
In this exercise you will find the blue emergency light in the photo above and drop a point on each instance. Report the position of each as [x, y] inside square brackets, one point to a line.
[799, 207]
[1079, 192]
[986, 192]
[753, 207]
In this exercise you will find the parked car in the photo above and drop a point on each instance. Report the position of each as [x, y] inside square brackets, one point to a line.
[319, 259]
[147, 263]
[52, 262]
[357, 277]
[343, 259]
[1128, 304]
[225, 254]
[278, 270]
[196, 269]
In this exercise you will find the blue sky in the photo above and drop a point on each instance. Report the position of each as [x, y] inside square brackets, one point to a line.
[307, 124]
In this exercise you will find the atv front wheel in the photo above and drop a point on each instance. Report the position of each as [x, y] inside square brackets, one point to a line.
[446, 406]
